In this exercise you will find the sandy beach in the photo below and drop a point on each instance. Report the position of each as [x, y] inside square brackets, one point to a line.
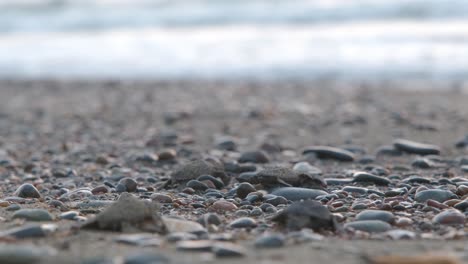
[75, 141]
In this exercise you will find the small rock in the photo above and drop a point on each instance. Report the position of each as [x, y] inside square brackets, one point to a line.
[364, 177]
[70, 215]
[270, 241]
[100, 190]
[178, 225]
[29, 231]
[449, 217]
[33, 215]
[306, 214]
[254, 157]
[423, 259]
[223, 206]
[434, 194]
[370, 226]
[23, 254]
[415, 147]
[145, 258]
[161, 198]
[325, 152]
[143, 240]
[297, 193]
[244, 222]
[228, 250]
[129, 184]
[197, 185]
[244, 189]
[27, 190]
[376, 215]
[198, 245]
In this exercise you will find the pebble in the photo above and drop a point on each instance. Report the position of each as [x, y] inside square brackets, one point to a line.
[70, 215]
[228, 250]
[423, 163]
[305, 167]
[370, 226]
[27, 190]
[297, 193]
[306, 214]
[198, 245]
[197, 185]
[415, 147]
[449, 217]
[223, 206]
[100, 189]
[325, 152]
[161, 198]
[145, 258]
[270, 241]
[376, 215]
[33, 215]
[179, 225]
[399, 234]
[353, 189]
[24, 254]
[462, 206]
[29, 231]
[13, 207]
[364, 177]
[388, 151]
[244, 189]
[243, 222]
[254, 157]
[142, 239]
[129, 185]
[434, 194]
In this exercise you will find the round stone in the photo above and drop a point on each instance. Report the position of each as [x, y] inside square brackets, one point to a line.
[244, 189]
[254, 157]
[223, 206]
[449, 217]
[129, 183]
[434, 194]
[376, 215]
[270, 241]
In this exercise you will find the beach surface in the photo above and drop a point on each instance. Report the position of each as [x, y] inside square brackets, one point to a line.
[64, 136]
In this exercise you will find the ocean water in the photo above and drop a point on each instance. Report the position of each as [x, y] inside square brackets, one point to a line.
[159, 39]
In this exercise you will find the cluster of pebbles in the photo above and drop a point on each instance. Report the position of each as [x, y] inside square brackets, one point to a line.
[223, 201]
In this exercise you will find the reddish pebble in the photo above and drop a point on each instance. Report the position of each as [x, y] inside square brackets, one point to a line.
[222, 206]
[403, 222]
[462, 190]
[450, 217]
[452, 202]
[100, 189]
[436, 204]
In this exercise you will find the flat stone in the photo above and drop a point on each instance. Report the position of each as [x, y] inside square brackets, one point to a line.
[338, 181]
[434, 194]
[376, 215]
[198, 245]
[145, 258]
[33, 215]
[270, 241]
[142, 239]
[354, 189]
[370, 226]
[297, 193]
[24, 254]
[449, 217]
[27, 190]
[416, 147]
[228, 250]
[244, 222]
[305, 167]
[254, 157]
[70, 215]
[29, 231]
[325, 152]
[364, 177]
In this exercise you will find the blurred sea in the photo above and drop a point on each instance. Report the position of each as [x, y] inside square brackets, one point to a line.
[233, 38]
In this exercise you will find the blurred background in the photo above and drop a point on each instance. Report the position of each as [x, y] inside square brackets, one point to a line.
[224, 39]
